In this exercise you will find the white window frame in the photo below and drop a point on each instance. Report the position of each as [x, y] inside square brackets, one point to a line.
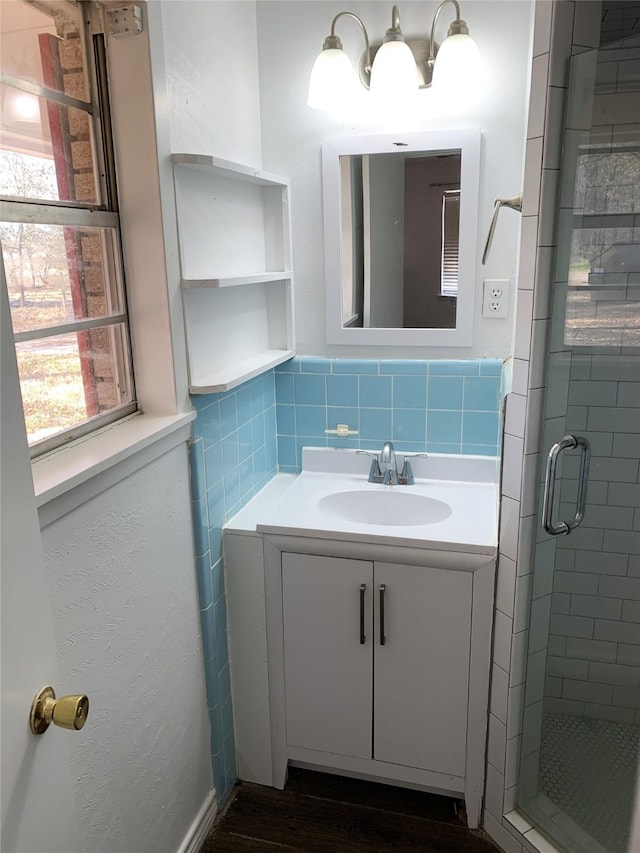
[81, 214]
[141, 140]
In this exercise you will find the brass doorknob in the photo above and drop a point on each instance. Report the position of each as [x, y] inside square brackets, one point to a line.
[68, 712]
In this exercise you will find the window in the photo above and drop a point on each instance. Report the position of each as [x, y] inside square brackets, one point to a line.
[59, 224]
[450, 242]
[603, 273]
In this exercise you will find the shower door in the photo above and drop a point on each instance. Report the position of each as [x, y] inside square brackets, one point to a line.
[581, 722]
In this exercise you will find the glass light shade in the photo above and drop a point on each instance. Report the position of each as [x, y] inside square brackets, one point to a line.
[458, 68]
[331, 80]
[394, 75]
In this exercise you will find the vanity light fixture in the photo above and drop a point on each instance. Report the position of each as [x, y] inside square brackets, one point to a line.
[331, 78]
[397, 67]
[457, 63]
[394, 73]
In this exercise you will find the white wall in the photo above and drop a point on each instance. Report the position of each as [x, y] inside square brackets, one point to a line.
[290, 35]
[124, 605]
[211, 66]
[120, 559]
[384, 239]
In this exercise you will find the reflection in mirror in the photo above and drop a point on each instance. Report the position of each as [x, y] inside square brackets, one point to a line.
[400, 235]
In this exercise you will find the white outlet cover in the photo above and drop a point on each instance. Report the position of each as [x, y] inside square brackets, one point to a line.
[495, 299]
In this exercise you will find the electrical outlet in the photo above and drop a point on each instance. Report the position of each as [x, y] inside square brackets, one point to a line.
[495, 298]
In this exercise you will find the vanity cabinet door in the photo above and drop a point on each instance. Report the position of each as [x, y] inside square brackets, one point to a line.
[328, 670]
[422, 671]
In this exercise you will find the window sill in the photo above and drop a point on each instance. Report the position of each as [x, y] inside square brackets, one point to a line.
[63, 470]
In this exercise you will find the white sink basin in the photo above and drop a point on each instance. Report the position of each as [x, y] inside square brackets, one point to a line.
[387, 507]
[452, 505]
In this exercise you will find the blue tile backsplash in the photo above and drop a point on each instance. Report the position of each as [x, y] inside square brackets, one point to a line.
[232, 456]
[432, 406]
[241, 438]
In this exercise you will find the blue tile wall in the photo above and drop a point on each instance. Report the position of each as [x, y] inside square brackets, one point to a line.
[436, 406]
[242, 437]
[232, 456]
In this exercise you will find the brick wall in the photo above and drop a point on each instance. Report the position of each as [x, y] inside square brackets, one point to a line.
[90, 255]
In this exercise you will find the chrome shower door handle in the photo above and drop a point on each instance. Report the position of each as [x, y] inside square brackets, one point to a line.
[562, 528]
[583, 480]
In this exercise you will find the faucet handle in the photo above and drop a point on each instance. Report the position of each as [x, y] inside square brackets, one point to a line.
[406, 478]
[374, 471]
[375, 474]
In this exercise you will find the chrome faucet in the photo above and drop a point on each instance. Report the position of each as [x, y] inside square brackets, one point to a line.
[384, 467]
[387, 464]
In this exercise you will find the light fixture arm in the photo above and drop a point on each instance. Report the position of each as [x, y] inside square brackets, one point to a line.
[333, 41]
[394, 33]
[457, 27]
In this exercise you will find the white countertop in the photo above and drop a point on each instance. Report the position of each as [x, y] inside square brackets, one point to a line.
[247, 519]
[467, 484]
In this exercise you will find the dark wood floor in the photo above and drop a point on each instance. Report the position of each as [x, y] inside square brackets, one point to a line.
[320, 813]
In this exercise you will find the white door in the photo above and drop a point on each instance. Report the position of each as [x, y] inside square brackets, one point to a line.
[37, 801]
[328, 662]
[421, 674]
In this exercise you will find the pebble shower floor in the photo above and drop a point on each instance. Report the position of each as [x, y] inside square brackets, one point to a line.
[588, 770]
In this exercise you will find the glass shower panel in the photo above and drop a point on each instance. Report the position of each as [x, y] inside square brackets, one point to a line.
[581, 725]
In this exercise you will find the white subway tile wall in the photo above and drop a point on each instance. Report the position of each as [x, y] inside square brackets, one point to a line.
[573, 594]
[594, 607]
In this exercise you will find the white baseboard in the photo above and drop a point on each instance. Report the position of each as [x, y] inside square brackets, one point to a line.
[201, 825]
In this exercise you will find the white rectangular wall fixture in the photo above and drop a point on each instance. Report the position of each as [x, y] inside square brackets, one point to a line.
[495, 299]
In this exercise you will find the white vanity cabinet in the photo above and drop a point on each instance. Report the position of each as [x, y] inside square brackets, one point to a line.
[410, 711]
[328, 670]
[362, 649]
[421, 673]
[376, 660]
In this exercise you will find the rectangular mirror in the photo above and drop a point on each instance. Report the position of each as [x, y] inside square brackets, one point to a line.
[400, 216]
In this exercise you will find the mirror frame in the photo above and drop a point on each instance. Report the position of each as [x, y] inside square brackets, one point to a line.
[468, 142]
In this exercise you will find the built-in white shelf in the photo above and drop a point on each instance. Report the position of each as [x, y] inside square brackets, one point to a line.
[235, 259]
[231, 376]
[228, 169]
[236, 280]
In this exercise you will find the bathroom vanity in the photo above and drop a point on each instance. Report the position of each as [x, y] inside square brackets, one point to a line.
[360, 622]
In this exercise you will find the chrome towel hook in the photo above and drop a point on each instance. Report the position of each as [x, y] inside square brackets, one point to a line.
[515, 203]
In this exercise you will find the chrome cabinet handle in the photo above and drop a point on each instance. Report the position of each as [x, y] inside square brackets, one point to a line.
[565, 527]
[363, 638]
[383, 639]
